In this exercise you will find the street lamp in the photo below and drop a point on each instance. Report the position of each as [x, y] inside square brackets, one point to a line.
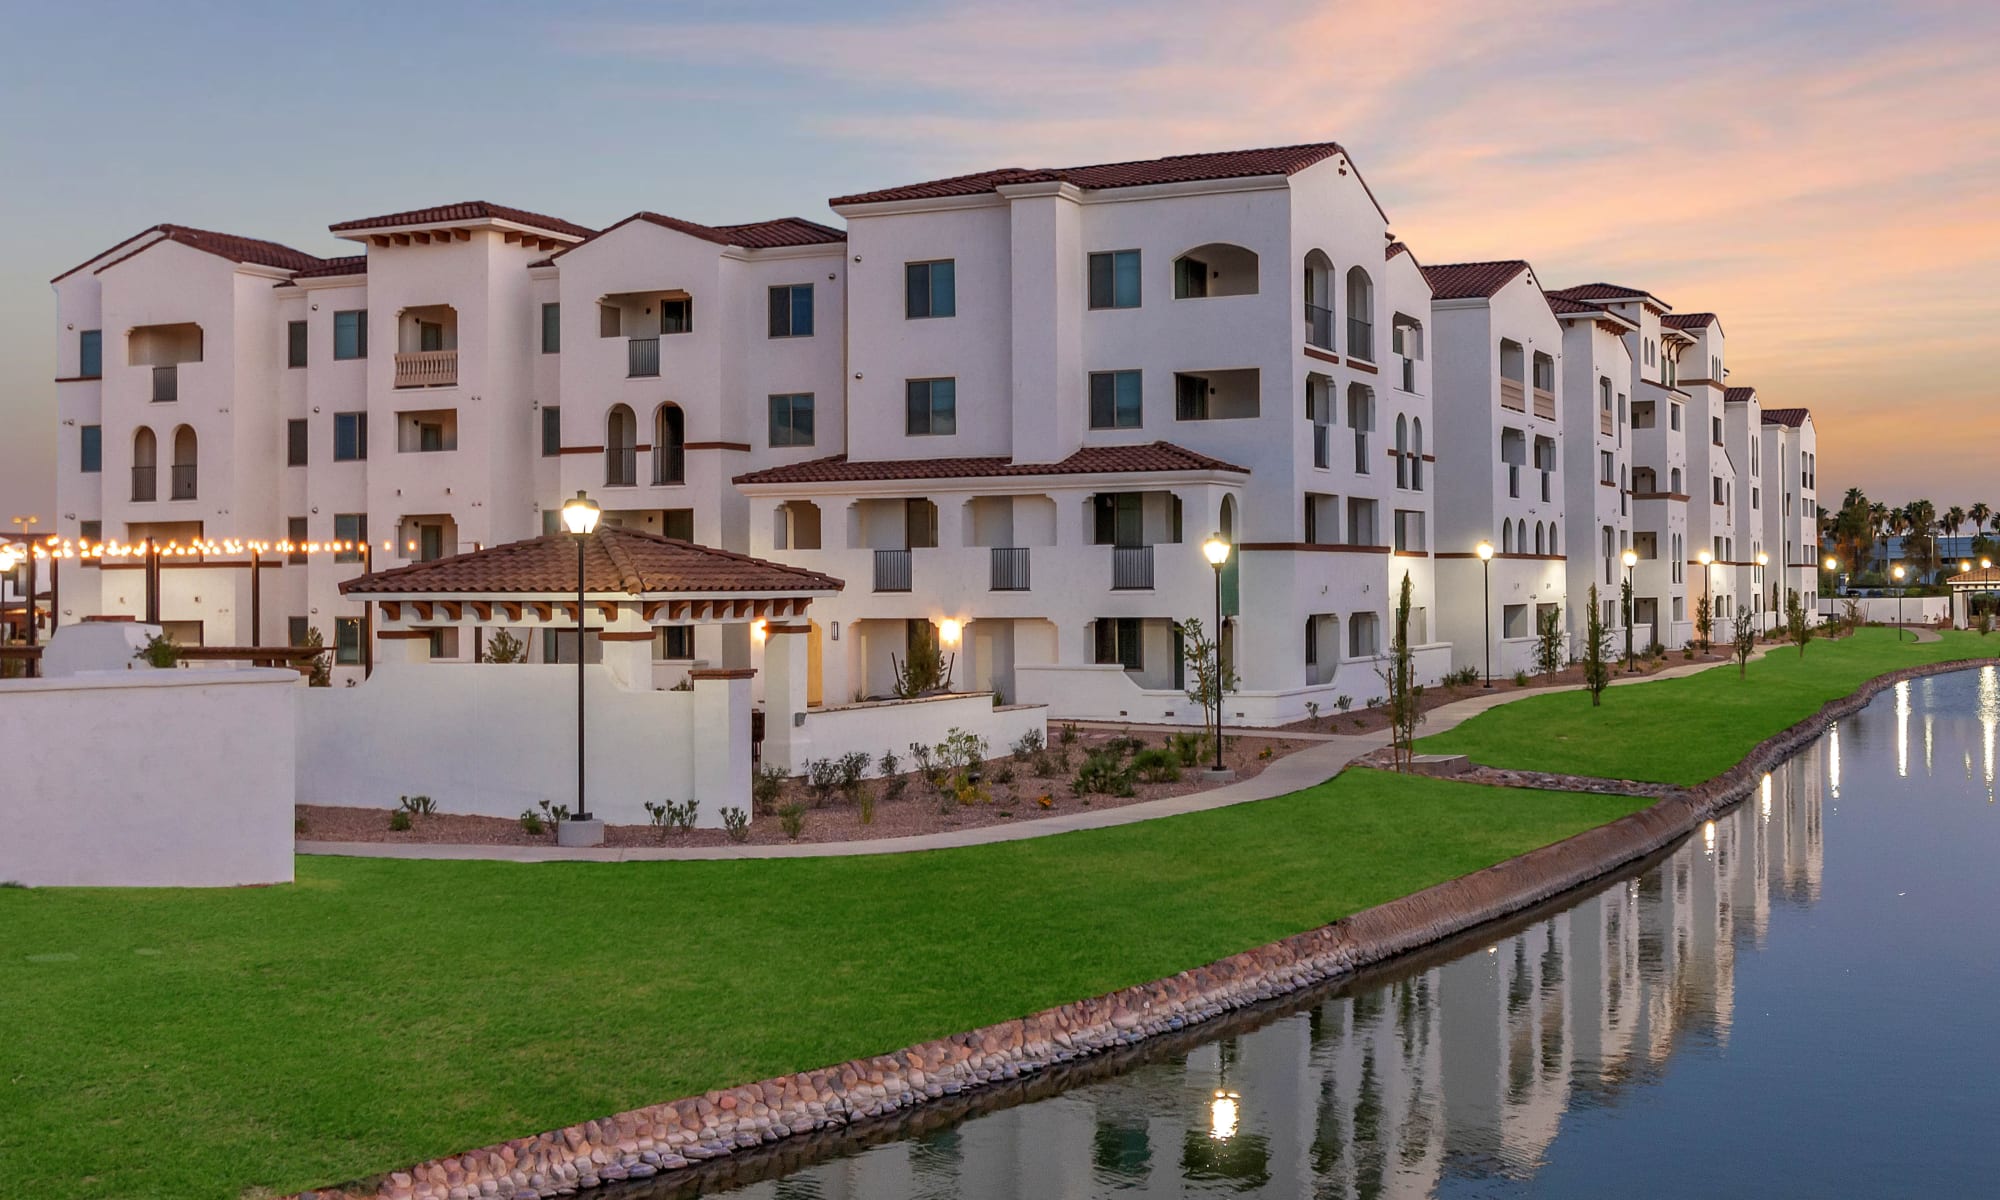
[1764, 560]
[1485, 552]
[579, 516]
[1631, 559]
[1216, 550]
[1897, 573]
[1706, 558]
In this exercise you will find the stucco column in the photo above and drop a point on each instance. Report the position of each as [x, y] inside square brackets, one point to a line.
[786, 743]
[721, 742]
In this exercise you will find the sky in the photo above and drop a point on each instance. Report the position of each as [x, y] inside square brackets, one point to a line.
[1825, 175]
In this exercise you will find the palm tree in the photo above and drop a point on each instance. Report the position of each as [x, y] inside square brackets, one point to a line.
[1920, 536]
[1979, 514]
[1953, 518]
[1878, 520]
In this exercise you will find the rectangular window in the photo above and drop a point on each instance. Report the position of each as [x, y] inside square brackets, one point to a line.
[1115, 400]
[1118, 642]
[296, 630]
[350, 436]
[295, 442]
[1361, 635]
[295, 344]
[1118, 519]
[674, 643]
[90, 354]
[931, 407]
[1607, 467]
[1715, 430]
[295, 533]
[677, 316]
[930, 289]
[350, 334]
[92, 449]
[1674, 412]
[90, 532]
[551, 329]
[551, 430]
[1409, 531]
[792, 419]
[1114, 279]
[551, 521]
[347, 641]
[792, 310]
[350, 527]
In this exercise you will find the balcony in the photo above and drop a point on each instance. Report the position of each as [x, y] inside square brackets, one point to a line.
[1361, 339]
[166, 384]
[427, 368]
[183, 482]
[1009, 569]
[1513, 395]
[1131, 568]
[1322, 446]
[1545, 404]
[1319, 327]
[621, 466]
[642, 357]
[892, 570]
[145, 483]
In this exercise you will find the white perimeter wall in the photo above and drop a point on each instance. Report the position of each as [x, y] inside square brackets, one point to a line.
[148, 778]
[1916, 609]
[895, 724]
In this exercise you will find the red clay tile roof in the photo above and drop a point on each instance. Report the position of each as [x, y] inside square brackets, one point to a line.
[752, 235]
[1179, 168]
[1472, 281]
[1091, 460]
[1688, 320]
[1563, 305]
[1606, 291]
[223, 245]
[1793, 417]
[470, 210]
[621, 561]
[1393, 249]
[346, 264]
[1737, 395]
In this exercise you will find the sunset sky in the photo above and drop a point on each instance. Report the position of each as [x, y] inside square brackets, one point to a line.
[1826, 176]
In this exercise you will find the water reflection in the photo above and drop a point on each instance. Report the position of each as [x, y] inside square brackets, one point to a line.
[1468, 1071]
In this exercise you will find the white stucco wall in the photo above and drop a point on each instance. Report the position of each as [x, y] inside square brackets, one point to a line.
[895, 724]
[148, 778]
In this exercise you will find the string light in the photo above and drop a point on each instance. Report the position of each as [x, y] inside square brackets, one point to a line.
[56, 548]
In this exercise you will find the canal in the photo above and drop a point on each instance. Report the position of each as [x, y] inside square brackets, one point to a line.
[1798, 1000]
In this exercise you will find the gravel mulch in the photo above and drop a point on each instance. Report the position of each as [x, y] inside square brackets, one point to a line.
[1019, 794]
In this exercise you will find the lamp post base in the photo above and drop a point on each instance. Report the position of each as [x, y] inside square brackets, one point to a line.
[1218, 774]
[580, 833]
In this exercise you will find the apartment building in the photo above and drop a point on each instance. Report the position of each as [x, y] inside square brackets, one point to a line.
[1500, 433]
[1596, 373]
[1791, 507]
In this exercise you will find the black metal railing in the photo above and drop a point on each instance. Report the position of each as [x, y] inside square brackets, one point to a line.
[892, 570]
[669, 464]
[1319, 327]
[1131, 568]
[621, 466]
[183, 481]
[144, 483]
[1361, 339]
[642, 357]
[166, 384]
[1009, 569]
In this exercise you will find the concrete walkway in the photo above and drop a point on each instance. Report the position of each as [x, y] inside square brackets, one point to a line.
[1304, 769]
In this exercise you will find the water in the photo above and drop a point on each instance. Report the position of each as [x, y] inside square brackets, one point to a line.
[1798, 1000]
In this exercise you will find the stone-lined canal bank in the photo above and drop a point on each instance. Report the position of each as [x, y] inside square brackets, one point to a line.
[647, 1141]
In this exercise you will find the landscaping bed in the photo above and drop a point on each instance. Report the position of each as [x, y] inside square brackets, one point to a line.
[1016, 789]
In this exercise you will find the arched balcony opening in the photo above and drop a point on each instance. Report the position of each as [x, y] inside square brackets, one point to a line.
[164, 348]
[1216, 269]
[1360, 315]
[145, 465]
[621, 448]
[186, 458]
[1319, 300]
[1513, 376]
[669, 445]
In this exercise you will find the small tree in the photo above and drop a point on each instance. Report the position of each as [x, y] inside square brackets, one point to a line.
[1745, 642]
[925, 671]
[1596, 651]
[1549, 640]
[1204, 685]
[1405, 699]
[504, 647]
[1851, 613]
[1704, 623]
[319, 673]
[1797, 627]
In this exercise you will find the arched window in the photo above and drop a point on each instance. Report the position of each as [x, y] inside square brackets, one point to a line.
[621, 447]
[1553, 548]
[669, 444]
[1674, 481]
[1507, 536]
[186, 456]
[1417, 453]
[1319, 300]
[145, 465]
[1360, 315]
[1216, 269]
[1538, 539]
[1402, 451]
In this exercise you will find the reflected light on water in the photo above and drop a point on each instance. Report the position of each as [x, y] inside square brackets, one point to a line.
[1222, 1114]
[1767, 798]
[1903, 729]
[1833, 761]
[1708, 837]
[1989, 720]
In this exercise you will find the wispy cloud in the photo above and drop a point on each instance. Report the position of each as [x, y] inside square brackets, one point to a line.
[1826, 175]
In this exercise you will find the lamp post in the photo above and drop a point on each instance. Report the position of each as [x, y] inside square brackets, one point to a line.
[1631, 559]
[1764, 560]
[1706, 559]
[1897, 573]
[27, 528]
[1216, 550]
[579, 516]
[1485, 552]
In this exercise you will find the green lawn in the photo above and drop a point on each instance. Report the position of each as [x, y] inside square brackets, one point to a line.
[378, 1012]
[1694, 728]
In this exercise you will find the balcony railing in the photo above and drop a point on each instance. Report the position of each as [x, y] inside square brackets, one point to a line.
[1513, 395]
[1009, 569]
[892, 570]
[183, 481]
[426, 368]
[669, 465]
[1319, 327]
[1360, 339]
[1322, 446]
[1131, 568]
[166, 384]
[1545, 403]
[621, 466]
[144, 483]
[642, 357]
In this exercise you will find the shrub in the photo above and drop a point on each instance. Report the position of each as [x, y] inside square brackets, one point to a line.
[1027, 745]
[531, 823]
[1343, 703]
[320, 673]
[504, 647]
[1125, 744]
[1374, 702]
[822, 777]
[1267, 754]
[1190, 748]
[1983, 623]
[1068, 733]
[1520, 679]
[792, 819]
[736, 823]
[159, 652]
[1104, 774]
[853, 767]
[1312, 713]
[669, 815]
[1155, 765]
[399, 821]
[888, 764]
[1004, 773]
[1465, 677]
[1549, 640]
[1044, 764]
[554, 814]
[419, 806]
[893, 790]
[767, 787]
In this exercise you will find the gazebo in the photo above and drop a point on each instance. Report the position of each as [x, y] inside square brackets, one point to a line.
[1964, 586]
[494, 738]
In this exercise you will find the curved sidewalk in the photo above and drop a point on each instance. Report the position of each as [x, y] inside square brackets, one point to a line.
[1314, 765]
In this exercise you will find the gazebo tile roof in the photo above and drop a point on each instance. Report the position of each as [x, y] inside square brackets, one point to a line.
[621, 561]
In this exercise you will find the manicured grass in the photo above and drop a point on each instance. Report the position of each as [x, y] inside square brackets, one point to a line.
[1694, 728]
[378, 1012]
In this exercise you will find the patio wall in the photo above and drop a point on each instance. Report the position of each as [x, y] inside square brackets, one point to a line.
[1916, 609]
[894, 724]
[148, 778]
